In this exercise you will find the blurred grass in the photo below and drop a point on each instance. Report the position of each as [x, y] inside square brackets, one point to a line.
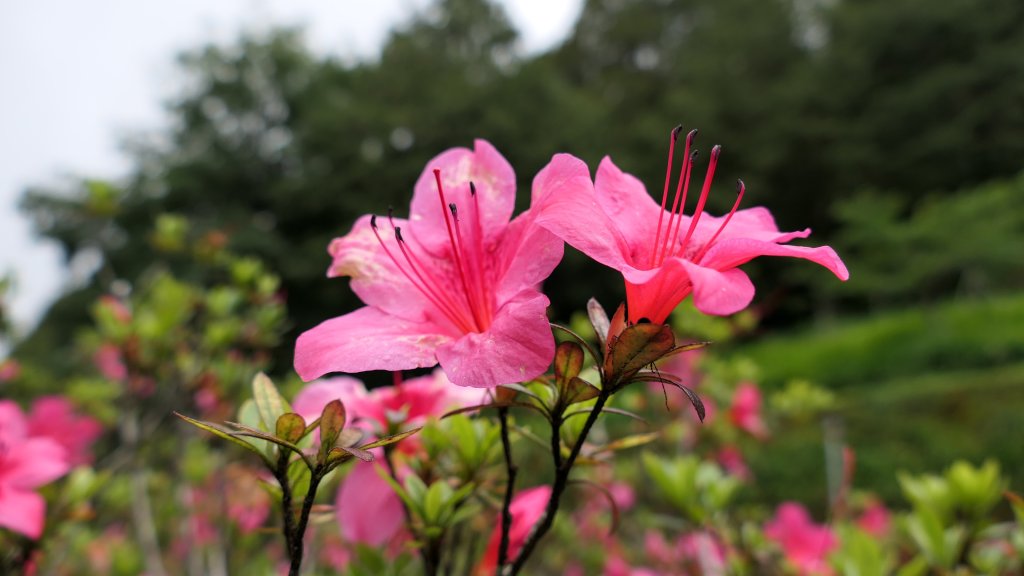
[858, 354]
[918, 389]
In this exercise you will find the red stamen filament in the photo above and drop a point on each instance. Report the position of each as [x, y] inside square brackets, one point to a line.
[460, 263]
[708, 177]
[422, 285]
[664, 194]
[740, 189]
[678, 203]
[684, 177]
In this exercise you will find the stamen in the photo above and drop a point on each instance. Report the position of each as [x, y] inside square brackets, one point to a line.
[674, 233]
[678, 203]
[740, 189]
[437, 296]
[458, 255]
[664, 194]
[421, 286]
[708, 177]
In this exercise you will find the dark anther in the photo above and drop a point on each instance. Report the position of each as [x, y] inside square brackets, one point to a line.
[373, 221]
[691, 136]
[715, 151]
[472, 189]
[694, 155]
[454, 210]
[676, 131]
[739, 186]
[398, 234]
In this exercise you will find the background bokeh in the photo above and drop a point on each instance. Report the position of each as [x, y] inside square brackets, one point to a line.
[894, 128]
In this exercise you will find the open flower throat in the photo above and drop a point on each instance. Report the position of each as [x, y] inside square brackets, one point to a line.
[469, 307]
[666, 236]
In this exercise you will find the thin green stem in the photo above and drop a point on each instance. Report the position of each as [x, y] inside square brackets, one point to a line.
[510, 473]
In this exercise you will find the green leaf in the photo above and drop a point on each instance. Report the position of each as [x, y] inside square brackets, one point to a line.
[269, 402]
[568, 363]
[388, 440]
[332, 420]
[290, 427]
[217, 431]
[638, 346]
[629, 442]
[243, 430]
[579, 390]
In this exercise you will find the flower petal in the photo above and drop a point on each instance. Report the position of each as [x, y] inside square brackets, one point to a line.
[366, 339]
[22, 511]
[495, 184]
[376, 279]
[369, 511]
[624, 199]
[517, 347]
[718, 292]
[736, 251]
[34, 462]
[526, 257]
[569, 209]
[310, 401]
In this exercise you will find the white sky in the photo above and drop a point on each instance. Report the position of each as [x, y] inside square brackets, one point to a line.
[76, 76]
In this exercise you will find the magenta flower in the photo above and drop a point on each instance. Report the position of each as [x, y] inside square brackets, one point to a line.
[745, 412]
[455, 284]
[54, 417]
[26, 463]
[664, 255]
[527, 508]
[368, 510]
[805, 544]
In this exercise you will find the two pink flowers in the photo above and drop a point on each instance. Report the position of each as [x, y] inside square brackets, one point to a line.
[458, 282]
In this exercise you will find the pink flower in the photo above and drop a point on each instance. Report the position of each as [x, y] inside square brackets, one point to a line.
[25, 464]
[54, 417]
[805, 544]
[368, 510]
[875, 520]
[705, 551]
[663, 255]
[410, 402]
[455, 284]
[745, 412]
[109, 362]
[527, 508]
[731, 460]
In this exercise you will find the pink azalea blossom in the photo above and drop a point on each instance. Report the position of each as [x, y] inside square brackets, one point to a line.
[875, 520]
[664, 255]
[109, 362]
[527, 509]
[368, 510]
[805, 544]
[455, 284]
[26, 463]
[731, 460]
[745, 412]
[705, 552]
[54, 417]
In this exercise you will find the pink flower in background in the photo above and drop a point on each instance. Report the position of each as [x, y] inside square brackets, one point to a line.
[109, 362]
[9, 370]
[527, 509]
[664, 255]
[54, 417]
[368, 510]
[704, 551]
[805, 544]
[745, 412]
[875, 520]
[409, 402]
[26, 463]
[455, 284]
[731, 460]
